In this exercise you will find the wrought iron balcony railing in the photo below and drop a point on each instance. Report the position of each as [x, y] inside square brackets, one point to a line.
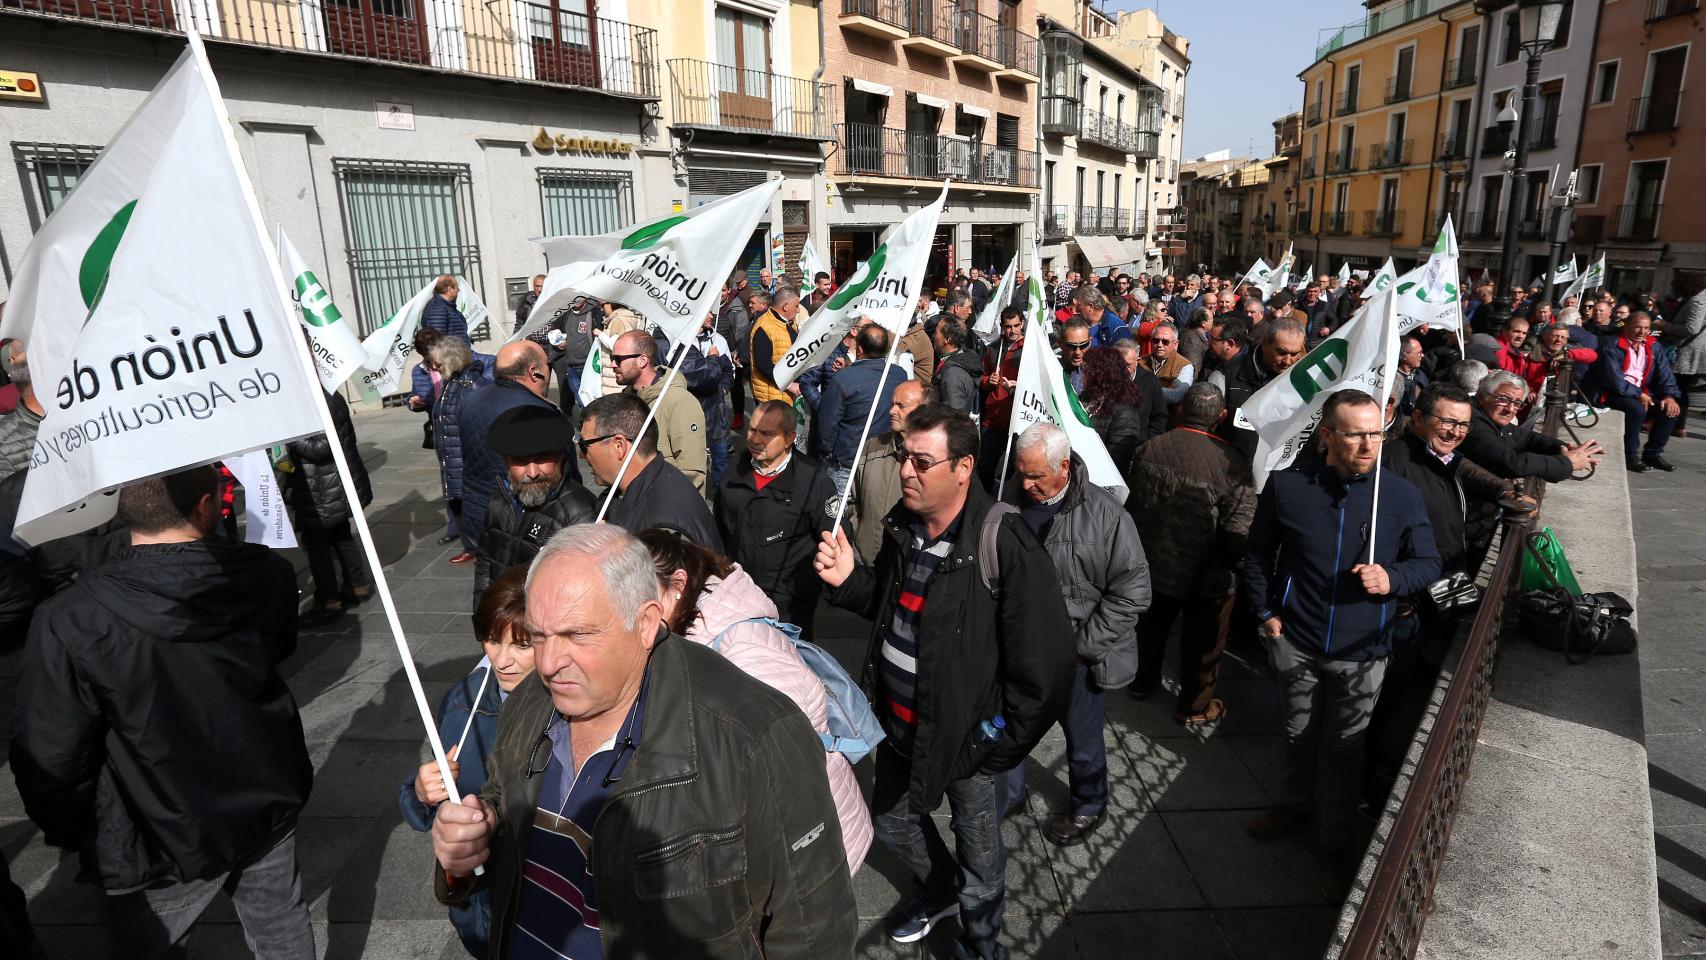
[716, 97]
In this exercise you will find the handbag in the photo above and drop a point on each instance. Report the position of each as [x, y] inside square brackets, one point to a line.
[1454, 595]
[426, 435]
[1580, 625]
[1544, 564]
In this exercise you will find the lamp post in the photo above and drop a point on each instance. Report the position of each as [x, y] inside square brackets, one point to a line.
[1538, 22]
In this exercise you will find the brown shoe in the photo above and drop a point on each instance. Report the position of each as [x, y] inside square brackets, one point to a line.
[1276, 823]
[1216, 710]
[1070, 831]
[462, 557]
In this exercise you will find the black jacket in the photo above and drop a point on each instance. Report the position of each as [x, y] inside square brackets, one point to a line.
[316, 493]
[979, 654]
[773, 533]
[1153, 409]
[956, 381]
[152, 731]
[1447, 491]
[1122, 432]
[515, 533]
[662, 496]
[1244, 375]
[1514, 451]
[719, 839]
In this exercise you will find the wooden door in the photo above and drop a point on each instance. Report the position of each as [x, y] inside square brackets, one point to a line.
[741, 77]
[136, 13]
[391, 30]
[566, 51]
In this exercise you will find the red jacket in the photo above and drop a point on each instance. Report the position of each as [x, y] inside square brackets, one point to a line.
[997, 399]
[1533, 371]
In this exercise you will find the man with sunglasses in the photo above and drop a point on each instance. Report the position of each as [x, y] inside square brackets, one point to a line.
[1327, 613]
[971, 661]
[680, 419]
[652, 493]
[1498, 442]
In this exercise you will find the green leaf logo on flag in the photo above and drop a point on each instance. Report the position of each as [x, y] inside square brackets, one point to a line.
[857, 285]
[98, 259]
[651, 233]
[317, 306]
[1448, 292]
[1323, 366]
[1074, 403]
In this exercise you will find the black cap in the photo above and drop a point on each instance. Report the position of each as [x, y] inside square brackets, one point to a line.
[528, 431]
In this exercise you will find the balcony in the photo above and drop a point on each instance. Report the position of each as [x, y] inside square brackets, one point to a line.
[1435, 223]
[1394, 154]
[710, 96]
[1336, 224]
[1665, 9]
[1398, 88]
[1341, 161]
[1146, 145]
[1306, 170]
[1059, 116]
[1377, 22]
[1532, 226]
[1102, 221]
[525, 42]
[867, 150]
[1345, 102]
[1655, 114]
[1543, 132]
[1055, 220]
[932, 27]
[1460, 73]
[1454, 146]
[1105, 131]
[1635, 222]
[882, 19]
[1232, 218]
[1495, 140]
[1170, 218]
[988, 45]
[1301, 223]
[1383, 223]
[1140, 222]
[1480, 225]
[1312, 113]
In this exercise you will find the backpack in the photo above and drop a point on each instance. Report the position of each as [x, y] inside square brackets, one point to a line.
[853, 728]
[988, 556]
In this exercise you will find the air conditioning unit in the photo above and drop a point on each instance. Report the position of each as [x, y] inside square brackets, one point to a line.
[998, 165]
[956, 159]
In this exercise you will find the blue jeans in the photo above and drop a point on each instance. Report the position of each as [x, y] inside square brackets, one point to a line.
[1634, 417]
[719, 452]
[1086, 752]
[978, 878]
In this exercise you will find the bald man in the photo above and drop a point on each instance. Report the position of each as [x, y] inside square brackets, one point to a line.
[521, 376]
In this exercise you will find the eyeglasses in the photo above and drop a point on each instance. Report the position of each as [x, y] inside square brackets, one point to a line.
[617, 358]
[1160, 342]
[920, 462]
[585, 442]
[1360, 436]
[1085, 345]
[1454, 426]
[1505, 402]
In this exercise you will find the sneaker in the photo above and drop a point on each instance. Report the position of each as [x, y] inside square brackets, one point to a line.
[1276, 823]
[915, 919]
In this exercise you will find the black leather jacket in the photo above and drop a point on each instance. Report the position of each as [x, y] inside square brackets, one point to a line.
[515, 533]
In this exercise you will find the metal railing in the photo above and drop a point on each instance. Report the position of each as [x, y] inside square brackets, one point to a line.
[1383, 223]
[715, 97]
[522, 41]
[1655, 114]
[1103, 130]
[1460, 73]
[1345, 102]
[1398, 88]
[1543, 132]
[1140, 221]
[891, 12]
[1495, 140]
[1665, 9]
[991, 39]
[1635, 222]
[1531, 227]
[1232, 218]
[1480, 225]
[869, 150]
[1341, 161]
[1055, 220]
[1312, 113]
[1434, 223]
[1102, 221]
[1393, 154]
[1146, 144]
[1412, 842]
[1301, 222]
[1058, 116]
[1306, 170]
[1336, 222]
[1170, 218]
[935, 19]
[1389, 17]
[1453, 146]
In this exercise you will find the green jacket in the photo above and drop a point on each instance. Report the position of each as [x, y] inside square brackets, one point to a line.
[720, 840]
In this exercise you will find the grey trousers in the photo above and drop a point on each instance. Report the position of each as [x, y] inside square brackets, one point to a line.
[1328, 704]
[266, 891]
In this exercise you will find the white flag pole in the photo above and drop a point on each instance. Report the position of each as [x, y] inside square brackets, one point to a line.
[381, 585]
[634, 442]
[490, 669]
[853, 471]
[1389, 367]
[1001, 478]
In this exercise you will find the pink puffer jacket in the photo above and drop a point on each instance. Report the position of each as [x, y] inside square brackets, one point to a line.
[764, 653]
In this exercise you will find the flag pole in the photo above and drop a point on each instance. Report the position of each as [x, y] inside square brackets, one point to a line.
[490, 669]
[1001, 478]
[306, 361]
[634, 442]
[853, 471]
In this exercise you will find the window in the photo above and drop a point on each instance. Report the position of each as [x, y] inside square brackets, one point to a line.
[404, 223]
[1561, 39]
[1587, 186]
[577, 202]
[1605, 82]
[1513, 38]
[54, 168]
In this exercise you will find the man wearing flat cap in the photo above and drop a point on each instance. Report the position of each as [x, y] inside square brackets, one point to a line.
[534, 498]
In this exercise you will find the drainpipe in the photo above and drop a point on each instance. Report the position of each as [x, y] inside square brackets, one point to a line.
[1439, 108]
[817, 95]
[1327, 134]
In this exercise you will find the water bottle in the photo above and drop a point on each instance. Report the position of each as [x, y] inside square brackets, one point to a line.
[989, 731]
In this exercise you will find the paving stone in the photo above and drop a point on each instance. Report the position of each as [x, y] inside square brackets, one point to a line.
[1153, 935]
[1234, 870]
[1288, 933]
[1129, 863]
[1183, 773]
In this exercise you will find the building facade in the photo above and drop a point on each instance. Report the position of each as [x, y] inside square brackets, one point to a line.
[1641, 145]
[1142, 40]
[1208, 195]
[1383, 104]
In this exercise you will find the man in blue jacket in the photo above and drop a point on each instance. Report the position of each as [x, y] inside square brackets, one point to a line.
[1105, 325]
[1327, 612]
[1633, 374]
[847, 399]
[440, 312]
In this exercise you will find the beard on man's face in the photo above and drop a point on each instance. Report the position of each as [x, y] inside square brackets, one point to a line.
[535, 491]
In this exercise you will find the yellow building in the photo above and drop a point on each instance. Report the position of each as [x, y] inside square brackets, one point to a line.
[1387, 105]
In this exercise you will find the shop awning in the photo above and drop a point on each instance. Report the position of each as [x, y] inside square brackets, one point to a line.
[972, 111]
[868, 86]
[1134, 252]
[1102, 252]
[940, 103]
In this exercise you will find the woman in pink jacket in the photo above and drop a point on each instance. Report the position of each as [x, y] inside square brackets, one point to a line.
[705, 595]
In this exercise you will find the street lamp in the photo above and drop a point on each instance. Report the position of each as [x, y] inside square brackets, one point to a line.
[1537, 22]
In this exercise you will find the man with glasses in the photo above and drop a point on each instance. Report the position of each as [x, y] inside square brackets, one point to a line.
[1282, 344]
[1165, 362]
[971, 662]
[651, 492]
[1327, 611]
[1499, 443]
[1227, 338]
[680, 419]
[773, 332]
[1074, 344]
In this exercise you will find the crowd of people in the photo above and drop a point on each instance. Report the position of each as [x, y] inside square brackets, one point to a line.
[646, 696]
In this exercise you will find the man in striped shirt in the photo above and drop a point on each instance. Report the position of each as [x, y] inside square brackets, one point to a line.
[966, 672]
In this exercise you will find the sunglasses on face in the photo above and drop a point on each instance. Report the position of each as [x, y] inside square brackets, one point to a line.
[920, 462]
[1077, 346]
[584, 443]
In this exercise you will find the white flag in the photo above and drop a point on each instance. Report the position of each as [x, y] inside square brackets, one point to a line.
[1280, 273]
[336, 347]
[669, 270]
[1300, 279]
[1593, 276]
[388, 347]
[988, 324]
[884, 288]
[265, 520]
[810, 266]
[1429, 293]
[1344, 273]
[156, 317]
[1382, 279]
[592, 371]
[1043, 393]
[1257, 274]
[1285, 411]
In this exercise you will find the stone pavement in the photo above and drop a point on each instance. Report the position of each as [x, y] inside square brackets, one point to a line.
[1670, 542]
[1170, 874]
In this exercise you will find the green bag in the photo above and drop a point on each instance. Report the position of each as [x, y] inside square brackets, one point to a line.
[1557, 566]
